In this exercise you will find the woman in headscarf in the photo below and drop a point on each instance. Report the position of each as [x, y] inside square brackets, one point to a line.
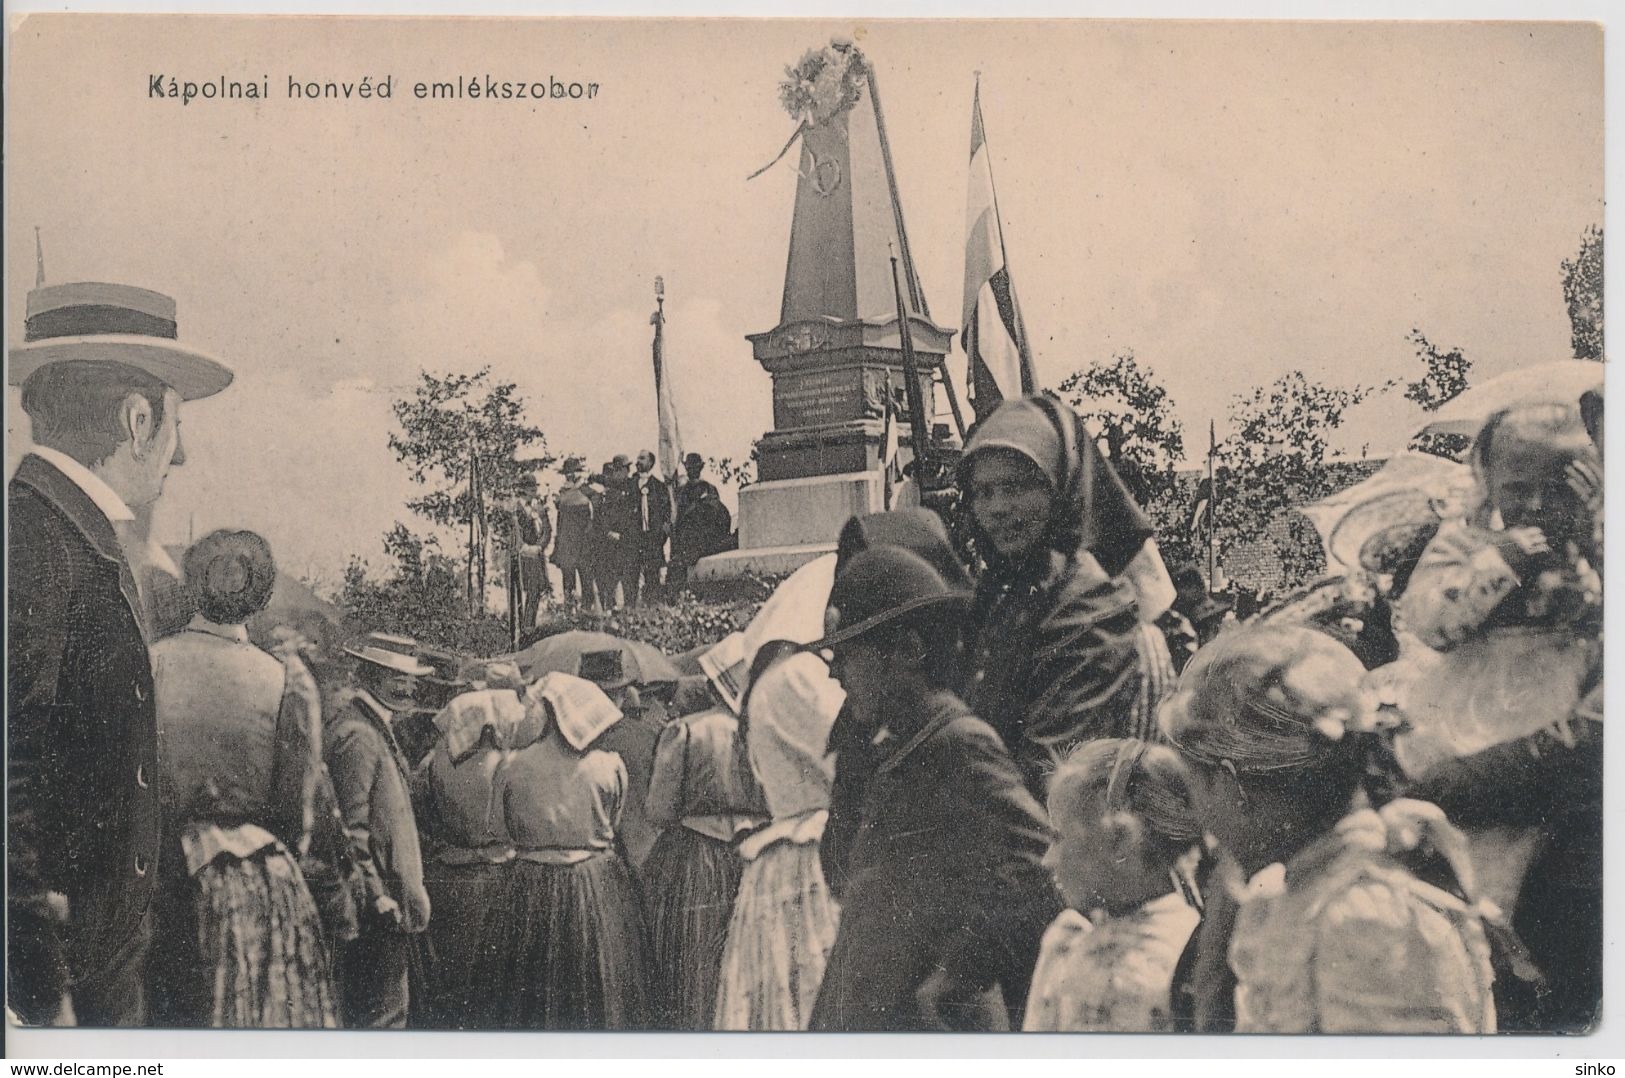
[576, 948]
[703, 797]
[468, 855]
[1344, 925]
[1055, 640]
[240, 940]
[784, 918]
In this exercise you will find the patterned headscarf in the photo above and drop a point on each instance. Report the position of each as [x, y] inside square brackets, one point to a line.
[465, 720]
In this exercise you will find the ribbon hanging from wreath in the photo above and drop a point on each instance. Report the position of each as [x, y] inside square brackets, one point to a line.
[824, 84]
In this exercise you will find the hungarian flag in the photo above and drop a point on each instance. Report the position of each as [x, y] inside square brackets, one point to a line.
[669, 448]
[994, 339]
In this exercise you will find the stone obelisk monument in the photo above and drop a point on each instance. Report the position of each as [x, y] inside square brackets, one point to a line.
[836, 351]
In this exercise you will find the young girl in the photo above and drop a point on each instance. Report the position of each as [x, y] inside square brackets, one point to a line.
[1507, 592]
[1125, 817]
[1338, 928]
[1511, 600]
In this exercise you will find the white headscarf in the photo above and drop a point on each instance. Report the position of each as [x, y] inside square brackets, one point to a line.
[788, 718]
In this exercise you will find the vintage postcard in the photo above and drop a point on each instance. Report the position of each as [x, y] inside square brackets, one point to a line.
[742, 525]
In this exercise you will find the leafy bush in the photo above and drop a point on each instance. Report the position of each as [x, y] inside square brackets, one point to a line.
[684, 623]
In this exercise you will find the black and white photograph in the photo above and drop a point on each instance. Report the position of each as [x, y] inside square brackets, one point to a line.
[745, 525]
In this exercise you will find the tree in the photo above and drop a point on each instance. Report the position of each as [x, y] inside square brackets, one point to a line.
[741, 475]
[461, 435]
[1582, 291]
[1275, 460]
[1443, 379]
[1130, 414]
[421, 595]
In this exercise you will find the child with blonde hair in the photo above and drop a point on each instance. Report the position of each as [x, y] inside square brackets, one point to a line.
[1125, 823]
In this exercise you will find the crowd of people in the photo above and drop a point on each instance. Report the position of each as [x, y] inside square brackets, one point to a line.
[1023, 793]
[622, 537]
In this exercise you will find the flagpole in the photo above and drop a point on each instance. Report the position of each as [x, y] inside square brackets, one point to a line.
[953, 401]
[1212, 499]
[911, 372]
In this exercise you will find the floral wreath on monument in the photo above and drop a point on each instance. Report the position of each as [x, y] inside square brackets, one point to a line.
[824, 84]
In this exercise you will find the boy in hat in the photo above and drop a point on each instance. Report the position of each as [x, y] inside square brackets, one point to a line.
[373, 781]
[102, 378]
[946, 898]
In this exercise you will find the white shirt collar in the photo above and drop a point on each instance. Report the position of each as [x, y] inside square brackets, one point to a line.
[201, 624]
[105, 497]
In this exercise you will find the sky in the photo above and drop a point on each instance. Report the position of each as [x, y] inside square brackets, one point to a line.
[1231, 201]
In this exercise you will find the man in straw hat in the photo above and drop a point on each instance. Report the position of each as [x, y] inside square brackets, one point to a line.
[102, 377]
[372, 779]
[946, 898]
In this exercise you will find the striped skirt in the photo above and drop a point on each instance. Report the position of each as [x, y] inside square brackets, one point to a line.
[575, 947]
[690, 880]
[779, 940]
[260, 944]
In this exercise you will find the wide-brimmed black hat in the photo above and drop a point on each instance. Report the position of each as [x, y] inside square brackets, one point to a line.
[886, 584]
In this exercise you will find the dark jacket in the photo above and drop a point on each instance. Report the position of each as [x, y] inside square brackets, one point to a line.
[654, 536]
[533, 529]
[1054, 660]
[704, 526]
[575, 512]
[82, 775]
[946, 870]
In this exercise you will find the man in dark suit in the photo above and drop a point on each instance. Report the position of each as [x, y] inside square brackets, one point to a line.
[530, 533]
[654, 519]
[617, 518]
[102, 382]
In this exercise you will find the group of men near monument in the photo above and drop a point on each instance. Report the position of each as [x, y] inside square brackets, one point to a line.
[990, 796]
[610, 540]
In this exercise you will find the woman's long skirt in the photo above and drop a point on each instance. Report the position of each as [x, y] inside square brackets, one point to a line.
[779, 939]
[690, 880]
[465, 946]
[576, 946]
[260, 945]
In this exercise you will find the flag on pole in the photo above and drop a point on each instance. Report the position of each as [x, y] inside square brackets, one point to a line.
[889, 444]
[1212, 502]
[39, 260]
[669, 448]
[994, 338]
